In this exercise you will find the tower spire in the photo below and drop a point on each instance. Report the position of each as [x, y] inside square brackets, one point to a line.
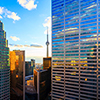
[47, 43]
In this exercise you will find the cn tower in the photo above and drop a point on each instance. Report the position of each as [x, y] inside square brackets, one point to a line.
[47, 43]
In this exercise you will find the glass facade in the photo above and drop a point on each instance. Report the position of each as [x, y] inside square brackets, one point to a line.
[75, 49]
[4, 66]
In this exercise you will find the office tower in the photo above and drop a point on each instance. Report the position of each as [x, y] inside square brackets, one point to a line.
[17, 75]
[76, 49]
[4, 66]
[29, 67]
[46, 63]
[42, 83]
[47, 66]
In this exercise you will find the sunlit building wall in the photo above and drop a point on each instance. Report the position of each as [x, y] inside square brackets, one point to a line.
[4, 66]
[17, 75]
[76, 49]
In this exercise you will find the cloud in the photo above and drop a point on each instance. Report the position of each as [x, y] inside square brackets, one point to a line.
[13, 16]
[34, 45]
[0, 17]
[14, 38]
[23, 46]
[1, 10]
[47, 24]
[28, 4]
[6, 13]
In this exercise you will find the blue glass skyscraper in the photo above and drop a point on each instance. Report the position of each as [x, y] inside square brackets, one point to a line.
[4, 66]
[75, 49]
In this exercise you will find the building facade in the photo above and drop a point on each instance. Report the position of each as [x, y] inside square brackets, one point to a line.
[42, 83]
[76, 49]
[17, 75]
[46, 62]
[4, 66]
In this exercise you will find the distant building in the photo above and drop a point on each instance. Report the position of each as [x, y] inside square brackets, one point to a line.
[39, 66]
[30, 91]
[29, 67]
[17, 75]
[4, 66]
[46, 63]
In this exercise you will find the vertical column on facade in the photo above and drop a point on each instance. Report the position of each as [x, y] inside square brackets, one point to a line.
[64, 49]
[51, 52]
[79, 49]
[97, 50]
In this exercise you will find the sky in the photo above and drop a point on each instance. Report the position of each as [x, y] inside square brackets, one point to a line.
[25, 23]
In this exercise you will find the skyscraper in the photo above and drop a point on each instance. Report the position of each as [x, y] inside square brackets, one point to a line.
[75, 49]
[17, 75]
[42, 80]
[46, 62]
[4, 66]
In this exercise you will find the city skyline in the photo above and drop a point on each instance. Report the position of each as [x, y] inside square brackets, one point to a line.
[26, 26]
[66, 69]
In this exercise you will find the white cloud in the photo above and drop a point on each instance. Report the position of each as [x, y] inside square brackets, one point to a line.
[12, 15]
[28, 4]
[23, 46]
[1, 10]
[14, 38]
[47, 24]
[0, 17]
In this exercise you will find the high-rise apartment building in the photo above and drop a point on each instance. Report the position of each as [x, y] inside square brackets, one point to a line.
[4, 66]
[75, 49]
[17, 75]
